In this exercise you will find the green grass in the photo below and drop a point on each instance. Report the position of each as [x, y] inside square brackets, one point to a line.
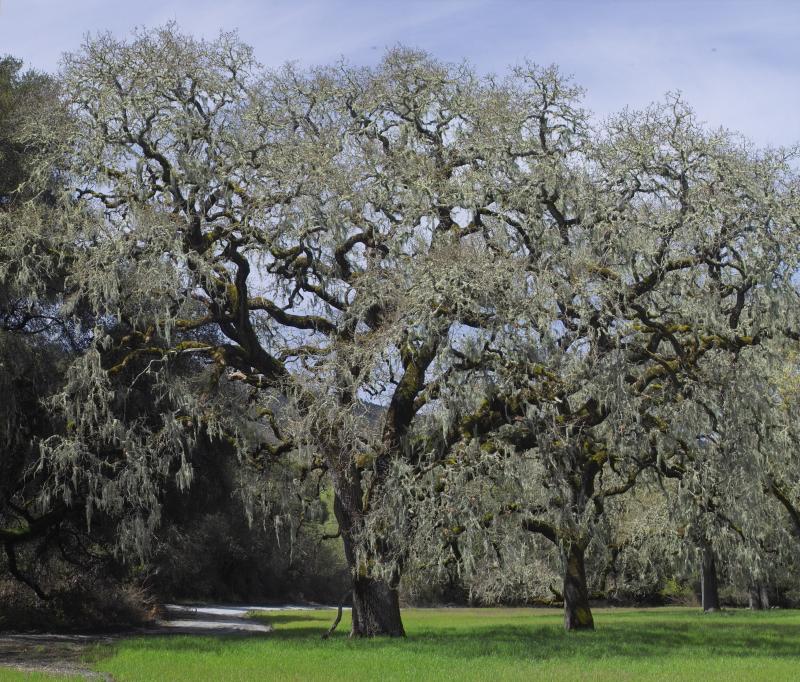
[483, 644]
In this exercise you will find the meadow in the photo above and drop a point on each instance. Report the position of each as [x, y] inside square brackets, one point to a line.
[477, 644]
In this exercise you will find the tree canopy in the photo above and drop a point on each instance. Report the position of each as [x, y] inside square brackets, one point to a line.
[474, 310]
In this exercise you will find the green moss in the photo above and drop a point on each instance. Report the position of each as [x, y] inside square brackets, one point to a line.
[364, 459]
[189, 345]
[232, 294]
[15, 532]
[409, 387]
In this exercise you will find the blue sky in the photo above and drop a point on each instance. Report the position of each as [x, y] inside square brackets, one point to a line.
[738, 63]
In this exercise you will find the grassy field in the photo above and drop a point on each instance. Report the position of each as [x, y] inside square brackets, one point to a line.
[485, 644]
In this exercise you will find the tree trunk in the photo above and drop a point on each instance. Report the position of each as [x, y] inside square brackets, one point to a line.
[709, 589]
[754, 598]
[764, 597]
[759, 597]
[376, 604]
[376, 609]
[577, 614]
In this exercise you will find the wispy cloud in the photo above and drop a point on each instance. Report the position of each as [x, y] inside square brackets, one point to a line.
[738, 63]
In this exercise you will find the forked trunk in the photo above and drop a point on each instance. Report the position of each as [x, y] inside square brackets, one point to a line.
[376, 603]
[709, 588]
[577, 613]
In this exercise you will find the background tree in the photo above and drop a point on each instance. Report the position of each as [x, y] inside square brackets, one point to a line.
[658, 251]
[35, 341]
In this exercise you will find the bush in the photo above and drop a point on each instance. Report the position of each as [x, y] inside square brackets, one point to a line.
[83, 603]
[679, 593]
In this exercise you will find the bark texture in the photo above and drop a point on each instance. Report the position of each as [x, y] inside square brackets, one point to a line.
[577, 613]
[759, 597]
[709, 587]
[376, 609]
[376, 603]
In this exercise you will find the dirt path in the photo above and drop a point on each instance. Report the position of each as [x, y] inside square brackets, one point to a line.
[219, 620]
[65, 654]
[54, 654]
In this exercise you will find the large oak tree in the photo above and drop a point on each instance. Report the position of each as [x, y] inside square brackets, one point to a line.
[434, 288]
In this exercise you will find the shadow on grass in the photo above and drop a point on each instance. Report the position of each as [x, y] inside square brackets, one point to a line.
[650, 635]
[665, 640]
[280, 619]
[724, 634]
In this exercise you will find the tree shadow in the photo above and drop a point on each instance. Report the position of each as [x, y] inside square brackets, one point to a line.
[665, 639]
[620, 636]
[279, 618]
[315, 624]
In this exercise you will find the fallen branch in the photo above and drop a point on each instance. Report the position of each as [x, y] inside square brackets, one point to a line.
[338, 615]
